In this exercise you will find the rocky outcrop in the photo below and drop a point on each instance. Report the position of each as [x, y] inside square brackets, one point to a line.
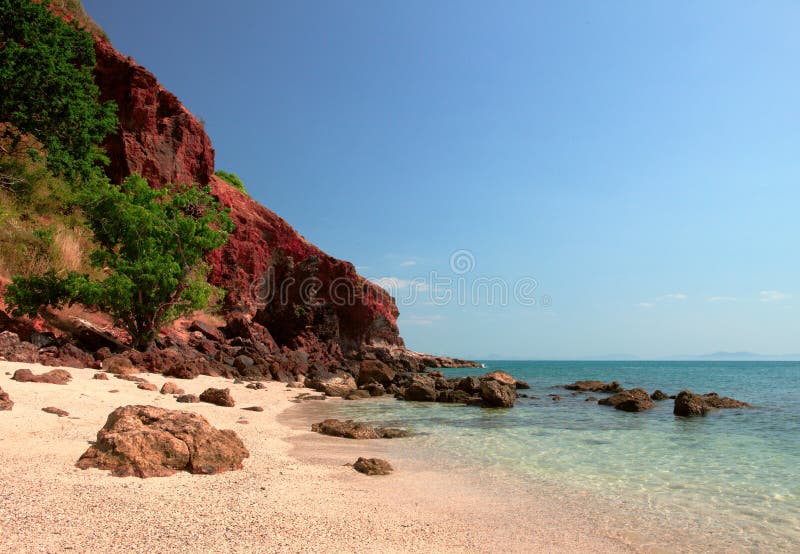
[595, 386]
[373, 466]
[689, 404]
[145, 441]
[5, 401]
[54, 377]
[353, 430]
[633, 400]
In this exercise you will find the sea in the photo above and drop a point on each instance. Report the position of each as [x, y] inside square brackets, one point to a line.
[729, 481]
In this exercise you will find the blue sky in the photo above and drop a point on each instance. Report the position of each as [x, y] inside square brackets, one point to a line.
[638, 160]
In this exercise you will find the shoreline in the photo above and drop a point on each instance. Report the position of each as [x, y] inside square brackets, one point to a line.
[293, 495]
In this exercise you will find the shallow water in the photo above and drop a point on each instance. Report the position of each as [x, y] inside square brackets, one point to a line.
[729, 479]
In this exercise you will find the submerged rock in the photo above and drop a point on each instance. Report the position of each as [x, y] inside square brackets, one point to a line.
[633, 400]
[350, 429]
[595, 386]
[145, 441]
[659, 395]
[373, 466]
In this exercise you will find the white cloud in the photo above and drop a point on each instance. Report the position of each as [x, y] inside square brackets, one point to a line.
[665, 297]
[772, 295]
[408, 263]
[722, 299]
[674, 296]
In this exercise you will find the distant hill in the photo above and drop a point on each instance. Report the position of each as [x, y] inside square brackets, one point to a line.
[744, 356]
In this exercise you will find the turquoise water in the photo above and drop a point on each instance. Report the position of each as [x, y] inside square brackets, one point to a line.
[733, 476]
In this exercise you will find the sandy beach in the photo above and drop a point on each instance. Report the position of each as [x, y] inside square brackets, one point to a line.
[295, 493]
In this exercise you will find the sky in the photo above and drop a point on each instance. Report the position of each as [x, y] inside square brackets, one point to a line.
[626, 171]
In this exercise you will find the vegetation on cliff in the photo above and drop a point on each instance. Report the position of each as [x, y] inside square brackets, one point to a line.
[152, 245]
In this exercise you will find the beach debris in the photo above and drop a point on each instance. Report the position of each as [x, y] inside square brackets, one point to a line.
[100, 376]
[188, 399]
[659, 395]
[147, 386]
[254, 409]
[595, 386]
[373, 466]
[633, 400]
[5, 401]
[218, 397]
[55, 376]
[57, 411]
[689, 404]
[145, 441]
[350, 429]
[258, 385]
[170, 387]
[132, 378]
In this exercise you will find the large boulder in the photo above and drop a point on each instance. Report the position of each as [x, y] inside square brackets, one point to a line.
[375, 371]
[497, 394]
[15, 350]
[145, 441]
[502, 377]
[5, 401]
[633, 400]
[339, 384]
[422, 388]
[373, 466]
[208, 331]
[219, 397]
[659, 395]
[689, 404]
[470, 385]
[55, 376]
[354, 430]
[595, 386]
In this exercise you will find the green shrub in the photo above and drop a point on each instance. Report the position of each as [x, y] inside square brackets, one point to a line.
[152, 245]
[232, 179]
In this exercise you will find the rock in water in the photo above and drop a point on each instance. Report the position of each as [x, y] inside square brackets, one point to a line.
[220, 397]
[353, 430]
[55, 377]
[659, 395]
[373, 466]
[689, 404]
[595, 386]
[5, 401]
[498, 394]
[634, 400]
[145, 441]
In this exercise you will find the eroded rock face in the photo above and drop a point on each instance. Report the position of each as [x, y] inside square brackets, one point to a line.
[633, 400]
[55, 376]
[373, 466]
[5, 401]
[145, 441]
[689, 404]
[354, 430]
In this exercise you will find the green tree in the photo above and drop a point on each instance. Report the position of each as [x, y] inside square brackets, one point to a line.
[47, 89]
[152, 245]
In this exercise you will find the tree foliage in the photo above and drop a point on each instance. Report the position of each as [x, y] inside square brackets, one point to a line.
[152, 245]
[47, 89]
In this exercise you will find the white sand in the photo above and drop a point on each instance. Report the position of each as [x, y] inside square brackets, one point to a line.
[293, 495]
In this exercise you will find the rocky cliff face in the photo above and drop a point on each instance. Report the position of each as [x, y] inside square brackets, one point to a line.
[306, 299]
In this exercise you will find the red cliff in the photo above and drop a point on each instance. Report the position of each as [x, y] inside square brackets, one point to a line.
[305, 298]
